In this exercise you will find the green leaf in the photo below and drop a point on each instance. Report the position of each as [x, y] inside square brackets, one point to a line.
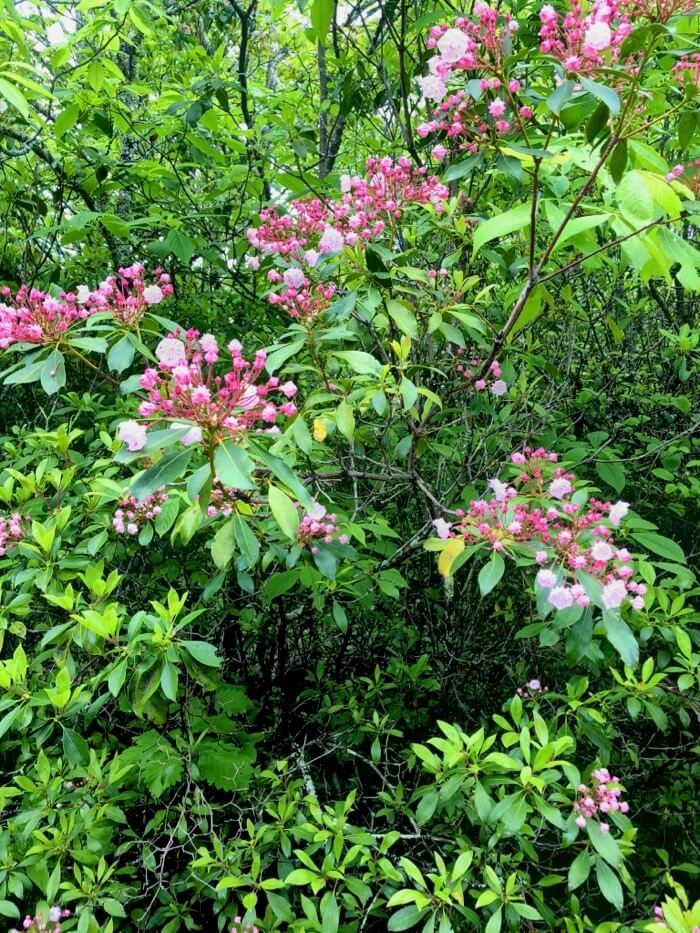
[233, 465]
[517, 218]
[603, 93]
[579, 869]
[321, 16]
[169, 468]
[491, 573]
[53, 373]
[660, 545]
[75, 747]
[280, 583]
[180, 245]
[65, 120]
[560, 96]
[121, 355]
[25, 374]
[405, 918]
[223, 544]
[359, 361]
[203, 652]
[617, 162]
[604, 844]
[246, 540]
[609, 885]
[284, 511]
[15, 98]
[345, 420]
[621, 637]
[403, 317]
[612, 473]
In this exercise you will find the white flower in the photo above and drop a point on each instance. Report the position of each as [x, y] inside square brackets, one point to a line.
[499, 387]
[598, 36]
[311, 256]
[442, 528]
[499, 489]
[193, 436]
[133, 434]
[170, 351]
[561, 597]
[618, 512]
[293, 278]
[153, 294]
[252, 262]
[534, 684]
[345, 183]
[452, 45]
[559, 488]
[82, 294]
[54, 914]
[332, 241]
[198, 262]
[613, 594]
[601, 550]
[432, 87]
[546, 579]
[55, 35]
[317, 511]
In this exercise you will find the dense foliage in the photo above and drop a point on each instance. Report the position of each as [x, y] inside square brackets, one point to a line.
[350, 493]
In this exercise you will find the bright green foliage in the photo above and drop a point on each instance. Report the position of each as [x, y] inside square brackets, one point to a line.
[215, 712]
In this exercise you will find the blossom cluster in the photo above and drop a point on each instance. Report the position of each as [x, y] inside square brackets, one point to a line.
[50, 924]
[11, 532]
[316, 526]
[492, 380]
[312, 228]
[601, 798]
[184, 391]
[687, 173]
[240, 927]
[127, 295]
[572, 544]
[478, 45]
[584, 43]
[133, 514]
[36, 317]
[223, 499]
[531, 690]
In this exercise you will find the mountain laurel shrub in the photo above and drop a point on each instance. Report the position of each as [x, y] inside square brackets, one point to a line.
[358, 593]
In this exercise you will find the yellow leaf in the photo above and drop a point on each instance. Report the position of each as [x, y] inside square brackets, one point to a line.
[320, 430]
[451, 552]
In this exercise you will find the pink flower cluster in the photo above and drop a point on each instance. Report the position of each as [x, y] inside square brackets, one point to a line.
[688, 174]
[688, 69]
[584, 43]
[602, 797]
[317, 525]
[469, 124]
[185, 392]
[133, 514]
[50, 924]
[313, 228]
[223, 499]
[126, 296]
[492, 381]
[240, 927]
[477, 45]
[573, 546]
[11, 532]
[35, 317]
[300, 298]
[531, 690]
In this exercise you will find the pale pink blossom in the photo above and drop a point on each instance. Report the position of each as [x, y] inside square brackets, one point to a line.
[132, 434]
